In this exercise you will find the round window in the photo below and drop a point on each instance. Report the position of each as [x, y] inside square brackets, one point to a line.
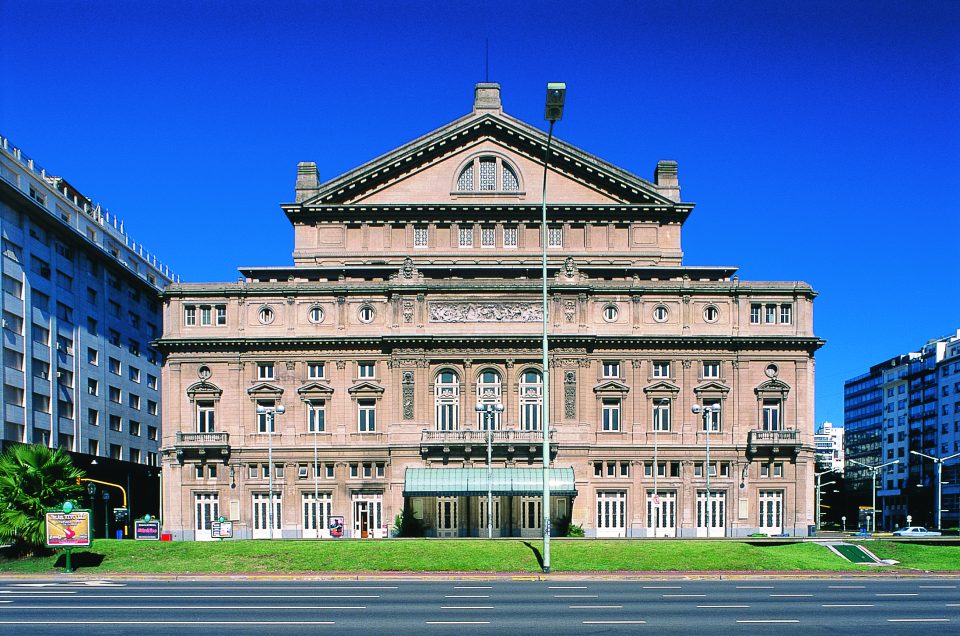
[610, 313]
[365, 313]
[772, 370]
[316, 314]
[711, 313]
[266, 315]
[660, 313]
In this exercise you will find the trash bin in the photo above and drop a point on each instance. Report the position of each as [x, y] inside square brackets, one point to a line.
[166, 536]
[119, 534]
[812, 530]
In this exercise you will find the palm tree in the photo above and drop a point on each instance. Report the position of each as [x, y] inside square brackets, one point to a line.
[33, 478]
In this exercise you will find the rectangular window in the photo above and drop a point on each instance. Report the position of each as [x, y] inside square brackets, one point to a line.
[488, 237]
[189, 315]
[115, 395]
[206, 414]
[134, 428]
[711, 370]
[488, 173]
[661, 415]
[755, 311]
[264, 370]
[611, 369]
[93, 387]
[114, 366]
[786, 314]
[661, 369]
[712, 420]
[13, 286]
[771, 415]
[778, 470]
[315, 370]
[152, 433]
[221, 315]
[12, 323]
[134, 374]
[152, 382]
[92, 326]
[266, 420]
[316, 416]
[367, 416]
[93, 417]
[134, 319]
[93, 447]
[510, 237]
[114, 308]
[770, 314]
[151, 407]
[114, 337]
[555, 237]
[206, 315]
[365, 370]
[420, 237]
[466, 237]
[115, 423]
[611, 414]
[133, 347]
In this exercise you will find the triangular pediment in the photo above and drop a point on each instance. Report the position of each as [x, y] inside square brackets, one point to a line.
[712, 387]
[611, 387]
[661, 387]
[315, 390]
[365, 388]
[265, 389]
[425, 170]
[204, 390]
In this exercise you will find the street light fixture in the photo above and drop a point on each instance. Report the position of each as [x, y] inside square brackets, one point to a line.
[707, 410]
[875, 470]
[556, 92]
[817, 476]
[271, 412]
[939, 461]
[488, 411]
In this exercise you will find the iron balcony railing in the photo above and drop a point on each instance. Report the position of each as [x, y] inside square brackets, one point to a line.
[203, 439]
[777, 438]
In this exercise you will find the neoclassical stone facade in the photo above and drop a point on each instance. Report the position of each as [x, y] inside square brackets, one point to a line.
[415, 294]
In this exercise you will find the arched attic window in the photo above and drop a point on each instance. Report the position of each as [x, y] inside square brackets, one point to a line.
[488, 173]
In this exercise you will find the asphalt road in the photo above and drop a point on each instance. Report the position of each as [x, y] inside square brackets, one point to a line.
[465, 607]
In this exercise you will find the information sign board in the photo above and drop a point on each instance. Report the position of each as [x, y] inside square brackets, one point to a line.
[221, 529]
[68, 529]
[146, 530]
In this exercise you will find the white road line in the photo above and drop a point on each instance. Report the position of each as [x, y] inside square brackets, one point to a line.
[566, 587]
[663, 587]
[473, 587]
[918, 620]
[937, 587]
[221, 596]
[682, 595]
[723, 606]
[897, 594]
[846, 587]
[466, 607]
[791, 620]
[466, 596]
[37, 592]
[847, 605]
[614, 622]
[790, 595]
[948, 604]
[754, 587]
[596, 606]
[457, 622]
[576, 596]
[143, 622]
[6, 601]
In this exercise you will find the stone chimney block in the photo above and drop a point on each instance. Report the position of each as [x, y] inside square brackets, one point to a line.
[665, 177]
[487, 97]
[308, 180]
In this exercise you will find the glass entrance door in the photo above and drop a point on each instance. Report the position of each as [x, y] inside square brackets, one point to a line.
[367, 512]
[482, 516]
[771, 511]
[662, 513]
[717, 517]
[447, 524]
[207, 510]
[261, 516]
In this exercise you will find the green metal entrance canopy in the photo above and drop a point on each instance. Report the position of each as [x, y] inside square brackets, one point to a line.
[472, 482]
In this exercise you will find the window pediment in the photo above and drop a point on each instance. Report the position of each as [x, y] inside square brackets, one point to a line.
[265, 390]
[204, 390]
[773, 388]
[314, 391]
[711, 388]
[365, 389]
[611, 388]
[660, 388]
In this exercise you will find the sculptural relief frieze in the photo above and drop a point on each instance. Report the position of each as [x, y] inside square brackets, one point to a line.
[485, 312]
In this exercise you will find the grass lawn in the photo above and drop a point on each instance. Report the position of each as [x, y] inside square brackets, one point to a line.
[417, 555]
[921, 556]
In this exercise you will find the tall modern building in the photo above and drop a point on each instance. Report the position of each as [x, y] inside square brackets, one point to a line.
[904, 406]
[80, 307]
[829, 445]
[414, 297]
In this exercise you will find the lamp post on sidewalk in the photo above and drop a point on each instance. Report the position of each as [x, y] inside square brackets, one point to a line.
[270, 413]
[817, 476]
[708, 421]
[939, 461]
[875, 470]
[489, 409]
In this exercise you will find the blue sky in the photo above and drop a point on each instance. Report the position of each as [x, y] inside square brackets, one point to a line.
[820, 140]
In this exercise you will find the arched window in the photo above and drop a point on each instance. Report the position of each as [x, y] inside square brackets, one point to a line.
[447, 400]
[531, 400]
[489, 391]
[488, 173]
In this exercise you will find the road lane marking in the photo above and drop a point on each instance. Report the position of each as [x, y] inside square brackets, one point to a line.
[576, 596]
[596, 606]
[897, 594]
[663, 587]
[466, 596]
[473, 587]
[790, 620]
[948, 604]
[190, 607]
[790, 595]
[682, 595]
[614, 622]
[457, 622]
[754, 587]
[846, 587]
[847, 605]
[143, 622]
[566, 587]
[222, 596]
[937, 587]
[37, 592]
[918, 620]
[723, 606]
[466, 607]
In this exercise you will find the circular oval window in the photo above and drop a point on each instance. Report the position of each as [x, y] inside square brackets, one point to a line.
[610, 313]
[316, 314]
[661, 313]
[365, 313]
[772, 370]
[711, 313]
[266, 315]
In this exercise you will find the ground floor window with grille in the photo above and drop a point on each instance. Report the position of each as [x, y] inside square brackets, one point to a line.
[207, 510]
[712, 524]
[662, 513]
[771, 511]
[367, 515]
[531, 516]
[495, 525]
[316, 514]
[612, 513]
[261, 515]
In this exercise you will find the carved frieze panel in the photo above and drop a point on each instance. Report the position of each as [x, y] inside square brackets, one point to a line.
[408, 392]
[485, 312]
[570, 395]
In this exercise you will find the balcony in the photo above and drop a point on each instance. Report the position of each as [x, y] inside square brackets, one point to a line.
[781, 442]
[202, 445]
[472, 444]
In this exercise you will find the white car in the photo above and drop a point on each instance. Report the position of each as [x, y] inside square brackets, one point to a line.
[915, 531]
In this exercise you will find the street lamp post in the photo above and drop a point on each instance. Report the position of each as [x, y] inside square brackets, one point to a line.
[707, 411]
[556, 91]
[939, 461]
[875, 470]
[817, 476]
[488, 411]
[271, 413]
